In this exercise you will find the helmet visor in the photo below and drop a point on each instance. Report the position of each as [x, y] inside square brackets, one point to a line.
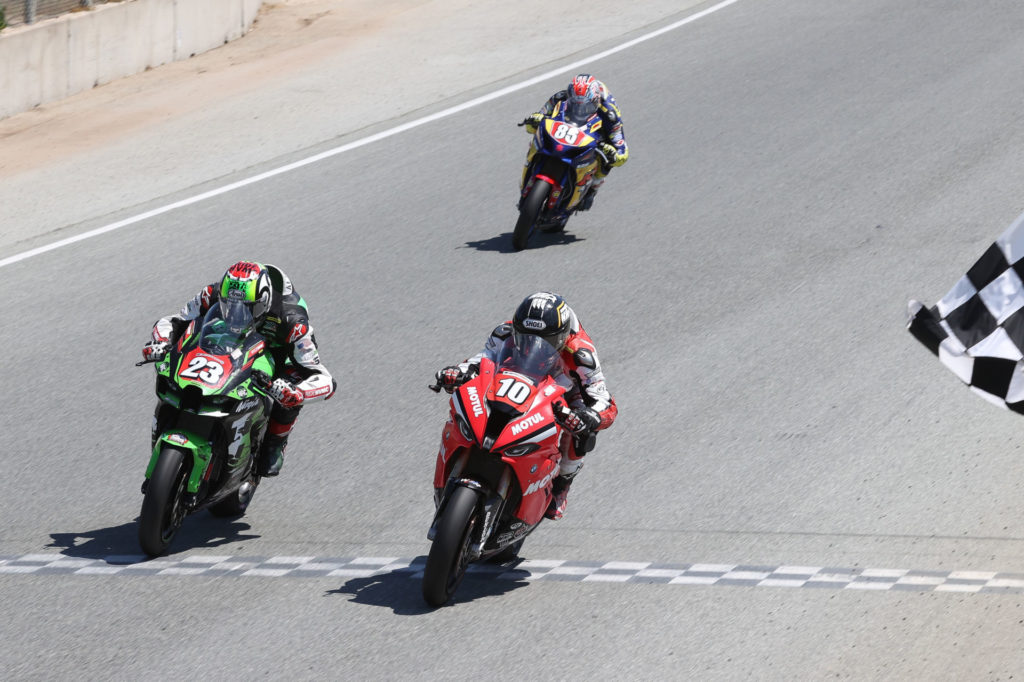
[532, 355]
[237, 315]
[580, 108]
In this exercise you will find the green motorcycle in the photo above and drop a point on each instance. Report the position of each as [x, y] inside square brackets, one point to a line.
[211, 417]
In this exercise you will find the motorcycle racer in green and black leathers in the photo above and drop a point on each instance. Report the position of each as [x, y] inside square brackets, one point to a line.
[283, 321]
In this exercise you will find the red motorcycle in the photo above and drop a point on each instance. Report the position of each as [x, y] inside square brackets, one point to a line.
[499, 453]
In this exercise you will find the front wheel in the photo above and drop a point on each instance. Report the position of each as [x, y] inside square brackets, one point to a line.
[449, 554]
[529, 210]
[163, 509]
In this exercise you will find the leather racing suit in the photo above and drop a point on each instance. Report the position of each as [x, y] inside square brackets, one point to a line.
[580, 357]
[290, 340]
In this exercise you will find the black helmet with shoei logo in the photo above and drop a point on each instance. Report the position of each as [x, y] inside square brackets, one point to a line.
[545, 315]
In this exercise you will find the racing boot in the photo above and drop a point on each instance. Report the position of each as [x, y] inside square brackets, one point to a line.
[560, 491]
[588, 200]
[272, 455]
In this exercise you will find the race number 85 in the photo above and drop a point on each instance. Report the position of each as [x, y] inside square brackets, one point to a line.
[566, 132]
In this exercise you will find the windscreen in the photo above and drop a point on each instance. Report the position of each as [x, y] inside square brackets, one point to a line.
[532, 356]
[225, 327]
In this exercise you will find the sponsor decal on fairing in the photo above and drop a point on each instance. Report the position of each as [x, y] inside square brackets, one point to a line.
[538, 485]
[536, 437]
[247, 404]
[474, 401]
[532, 420]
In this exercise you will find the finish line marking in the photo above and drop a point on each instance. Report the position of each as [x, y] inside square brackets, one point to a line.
[530, 570]
[25, 255]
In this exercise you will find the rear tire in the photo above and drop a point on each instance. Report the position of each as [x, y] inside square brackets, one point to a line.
[528, 213]
[163, 509]
[449, 554]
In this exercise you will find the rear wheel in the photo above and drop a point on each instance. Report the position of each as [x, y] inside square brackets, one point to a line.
[528, 213]
[163, 509]
[449, 554]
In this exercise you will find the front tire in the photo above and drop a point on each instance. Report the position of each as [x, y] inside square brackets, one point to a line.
[163, 509]
[449, 554]
[528, 213]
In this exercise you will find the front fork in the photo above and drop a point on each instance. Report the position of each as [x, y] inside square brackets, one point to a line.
[492, 504]
[199, 450]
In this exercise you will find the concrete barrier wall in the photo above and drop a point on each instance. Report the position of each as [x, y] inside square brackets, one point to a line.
[56, 58]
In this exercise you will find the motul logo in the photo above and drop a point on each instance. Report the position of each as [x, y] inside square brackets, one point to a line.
[474, 401]
[527, 423]
[537, 485]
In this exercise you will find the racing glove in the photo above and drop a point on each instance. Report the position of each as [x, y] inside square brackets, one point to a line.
[154, 351]
[611, 153]
[581, 421]
[451, 377]
[285, 394]
[532, 121]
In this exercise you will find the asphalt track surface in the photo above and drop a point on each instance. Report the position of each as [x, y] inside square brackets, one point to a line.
[798, 170]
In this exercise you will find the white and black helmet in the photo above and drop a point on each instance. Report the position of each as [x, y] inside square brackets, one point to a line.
[545, 315]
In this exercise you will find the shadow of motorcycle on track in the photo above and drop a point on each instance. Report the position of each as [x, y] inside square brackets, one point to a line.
[501, 243]
[400, 590]
[122, 541]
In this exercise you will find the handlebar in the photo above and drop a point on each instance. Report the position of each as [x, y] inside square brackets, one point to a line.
[262, 379]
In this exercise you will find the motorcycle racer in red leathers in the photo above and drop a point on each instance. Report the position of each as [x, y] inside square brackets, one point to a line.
[280, 316]
[593, 409]
[584, 97]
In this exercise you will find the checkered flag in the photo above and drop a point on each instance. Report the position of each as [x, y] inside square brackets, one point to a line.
[977, 329]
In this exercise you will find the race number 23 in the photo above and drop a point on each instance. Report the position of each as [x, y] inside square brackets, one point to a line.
[204, 369]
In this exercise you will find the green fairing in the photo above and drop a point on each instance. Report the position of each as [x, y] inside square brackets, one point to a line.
[264, 363]
[198, 447]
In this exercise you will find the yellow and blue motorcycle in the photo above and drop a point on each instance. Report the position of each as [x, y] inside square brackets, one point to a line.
[560, 166]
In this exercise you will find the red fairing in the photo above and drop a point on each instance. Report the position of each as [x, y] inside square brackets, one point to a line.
[532, 425]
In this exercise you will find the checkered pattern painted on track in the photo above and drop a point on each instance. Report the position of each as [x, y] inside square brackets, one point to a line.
[526, 570]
